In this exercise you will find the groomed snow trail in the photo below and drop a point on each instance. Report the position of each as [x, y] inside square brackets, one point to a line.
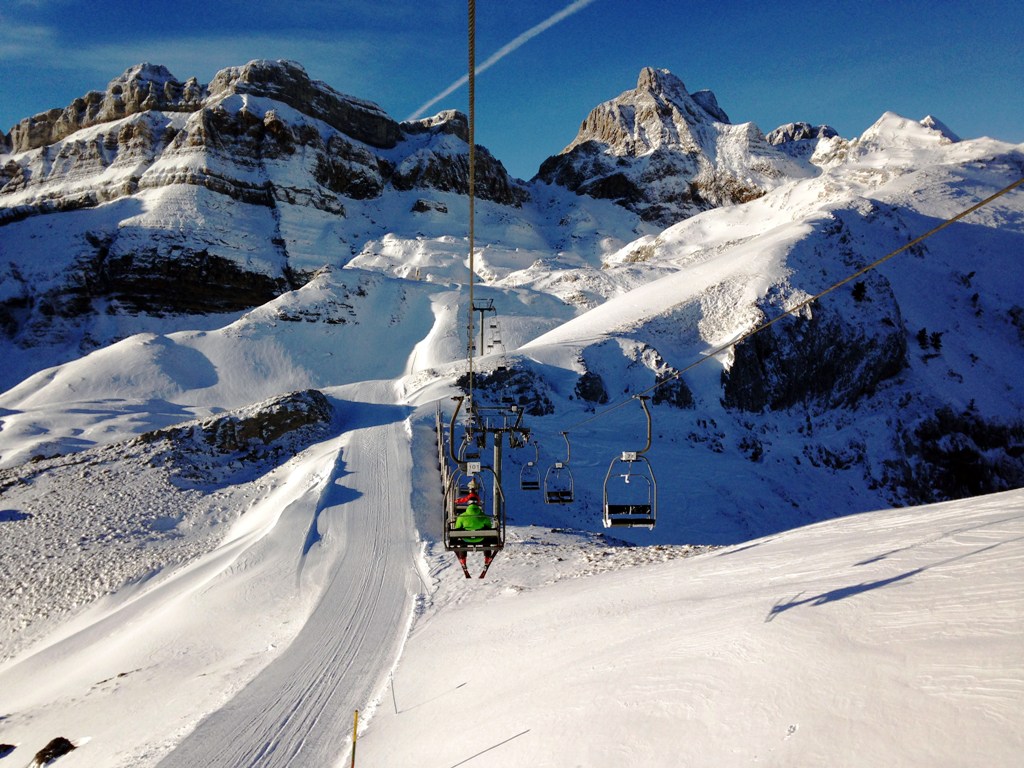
[298, 711]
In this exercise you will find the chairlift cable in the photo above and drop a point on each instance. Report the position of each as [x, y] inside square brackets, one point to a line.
[472, 188]
[801, 305]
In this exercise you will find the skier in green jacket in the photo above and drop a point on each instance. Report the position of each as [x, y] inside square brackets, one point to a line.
[473, 519]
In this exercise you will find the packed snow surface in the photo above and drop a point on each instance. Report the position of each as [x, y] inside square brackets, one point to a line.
[890, 637]
[240, 615]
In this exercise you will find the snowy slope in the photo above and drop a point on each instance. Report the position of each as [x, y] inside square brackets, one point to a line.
[238, 618]
[886, 638]
[889, 638]
[329, 529]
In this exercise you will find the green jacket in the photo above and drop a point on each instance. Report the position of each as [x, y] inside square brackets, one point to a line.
[473, 519]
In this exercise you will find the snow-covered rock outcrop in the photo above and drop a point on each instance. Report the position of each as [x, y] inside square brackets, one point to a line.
[800, 140]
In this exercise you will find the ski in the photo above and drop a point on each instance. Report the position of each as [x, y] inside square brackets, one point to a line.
[465, 568]
[487, 564]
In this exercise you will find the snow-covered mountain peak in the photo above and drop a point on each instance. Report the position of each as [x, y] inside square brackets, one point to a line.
[663, 84]
[143, 73]
[261, 174]
[658, 112]
[289, 83]
[892, 130]
[895, 144]
[449, 121]
[929, 121]
[141, 88]
[814, 144]
[666, 154]
[800, 131]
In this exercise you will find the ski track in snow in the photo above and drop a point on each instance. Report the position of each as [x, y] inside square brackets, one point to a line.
[323, 561]
[298, 711]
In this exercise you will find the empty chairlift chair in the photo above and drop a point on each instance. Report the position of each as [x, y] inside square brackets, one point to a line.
[630, 489]
[558, 483]
[529, 475]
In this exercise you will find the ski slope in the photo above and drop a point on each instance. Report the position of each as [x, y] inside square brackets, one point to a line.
[888, 638]
[241, 622]
[295, 712]
[279, 633]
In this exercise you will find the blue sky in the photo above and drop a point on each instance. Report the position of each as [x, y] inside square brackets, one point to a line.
[841, 63]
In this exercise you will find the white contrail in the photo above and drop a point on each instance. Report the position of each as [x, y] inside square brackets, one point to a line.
[505, 50]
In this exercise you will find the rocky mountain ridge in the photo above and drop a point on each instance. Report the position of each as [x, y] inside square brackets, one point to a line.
[141, 88]
[147, 87]
[667, 154]
[160, 163]
[149, 114]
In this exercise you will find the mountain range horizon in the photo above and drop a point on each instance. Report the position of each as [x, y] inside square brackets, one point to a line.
[151, 75]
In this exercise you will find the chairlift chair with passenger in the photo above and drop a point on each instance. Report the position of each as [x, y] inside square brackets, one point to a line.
[481, 530]
[460, 484]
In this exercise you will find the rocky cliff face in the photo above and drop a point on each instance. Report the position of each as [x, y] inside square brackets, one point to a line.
[208, 193]
[150, 130]
[802, 141]
[835, 352]
[791, 132]
[142, 88]
[288, 83]
[667, 154]
[831, 356]
[442, 162]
